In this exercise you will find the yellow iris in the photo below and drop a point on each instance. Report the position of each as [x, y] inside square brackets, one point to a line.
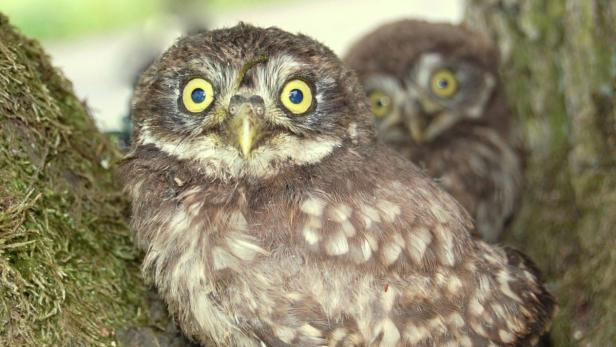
[197, 95]
[444, 83]
[380, 103]
[296, 96]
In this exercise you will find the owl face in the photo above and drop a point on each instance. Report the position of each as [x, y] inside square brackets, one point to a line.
[433, 97]
[244, 102]
[419, 85]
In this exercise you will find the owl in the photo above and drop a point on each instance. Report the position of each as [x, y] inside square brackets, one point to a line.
[270, 216]
[436, 98]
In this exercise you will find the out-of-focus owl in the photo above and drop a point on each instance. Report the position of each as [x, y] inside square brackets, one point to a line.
[436, 97]
[269, 215]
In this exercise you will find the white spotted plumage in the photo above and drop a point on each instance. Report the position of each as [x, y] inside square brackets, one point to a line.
[310, 239]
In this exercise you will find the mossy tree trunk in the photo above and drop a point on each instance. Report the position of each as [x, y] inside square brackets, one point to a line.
[559, 67]
[69, 274]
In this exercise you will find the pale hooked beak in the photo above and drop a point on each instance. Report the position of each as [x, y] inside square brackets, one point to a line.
[246, 136]
[247, 122]
[420, 125]
[416, 129]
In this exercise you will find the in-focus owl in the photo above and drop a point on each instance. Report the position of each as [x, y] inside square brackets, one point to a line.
[269, 215]
[436, 97]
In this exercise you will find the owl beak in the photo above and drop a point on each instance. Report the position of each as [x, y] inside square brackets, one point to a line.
[246, 136]
[421, 124]
[416, 129]
[425, 129]
[245, 126]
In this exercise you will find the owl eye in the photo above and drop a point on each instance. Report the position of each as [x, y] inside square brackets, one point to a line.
[197, 95]
[444, 83]
[296, 96]
[380, 103]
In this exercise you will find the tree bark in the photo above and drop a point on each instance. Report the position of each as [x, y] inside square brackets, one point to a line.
[69, 274]
[559, 67]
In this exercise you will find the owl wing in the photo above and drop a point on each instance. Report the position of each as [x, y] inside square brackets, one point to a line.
[484, 173]
[383, 212]
[384, 216]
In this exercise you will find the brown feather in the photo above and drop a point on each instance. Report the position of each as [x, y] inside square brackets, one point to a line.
[356, 249]
[478, 159]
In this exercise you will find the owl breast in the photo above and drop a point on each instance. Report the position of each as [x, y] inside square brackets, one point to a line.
[223, 267]
[343, 264]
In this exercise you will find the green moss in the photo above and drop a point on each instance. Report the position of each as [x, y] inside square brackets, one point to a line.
[68, 271]
[559, 75]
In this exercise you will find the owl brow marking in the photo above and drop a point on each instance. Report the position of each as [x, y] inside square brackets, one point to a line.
[247, 66]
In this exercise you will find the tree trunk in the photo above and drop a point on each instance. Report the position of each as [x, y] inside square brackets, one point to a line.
[68, 270]
[559, 67]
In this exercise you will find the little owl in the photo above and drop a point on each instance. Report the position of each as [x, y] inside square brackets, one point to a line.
[269, 215]
[436, 98]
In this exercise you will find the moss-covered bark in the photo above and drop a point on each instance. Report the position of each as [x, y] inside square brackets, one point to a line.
[559, 66]
[68, 270]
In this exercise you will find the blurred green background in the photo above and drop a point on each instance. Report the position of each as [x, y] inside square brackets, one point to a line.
[65, 19]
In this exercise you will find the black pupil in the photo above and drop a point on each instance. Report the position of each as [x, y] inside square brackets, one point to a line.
[296, 96]
[198, 95]
[443, 83]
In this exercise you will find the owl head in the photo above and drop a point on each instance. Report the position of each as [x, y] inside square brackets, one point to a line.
[424, 80]
[248, 102]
